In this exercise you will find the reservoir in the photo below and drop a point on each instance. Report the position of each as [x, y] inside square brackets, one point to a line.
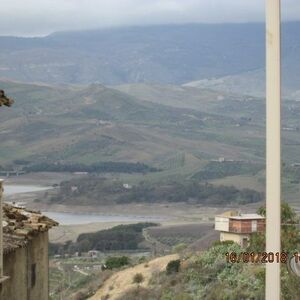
[72, 218]
[75, 218]
[19, 189]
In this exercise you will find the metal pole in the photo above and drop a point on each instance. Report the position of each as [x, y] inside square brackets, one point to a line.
[1, 230]
[273, 151]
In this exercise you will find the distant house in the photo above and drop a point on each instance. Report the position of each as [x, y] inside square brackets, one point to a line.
[127, 186]
[237, 227]
[74, 189]
[24, 275]
[94, 253]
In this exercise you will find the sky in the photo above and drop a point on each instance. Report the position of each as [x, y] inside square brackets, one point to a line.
[41, 17]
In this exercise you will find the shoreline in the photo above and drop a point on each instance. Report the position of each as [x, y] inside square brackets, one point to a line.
[170, 213]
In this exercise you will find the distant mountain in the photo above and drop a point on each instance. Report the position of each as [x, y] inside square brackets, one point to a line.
[173, 54]
[253, 82]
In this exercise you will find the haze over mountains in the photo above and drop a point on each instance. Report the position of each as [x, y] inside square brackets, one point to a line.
[173, 54]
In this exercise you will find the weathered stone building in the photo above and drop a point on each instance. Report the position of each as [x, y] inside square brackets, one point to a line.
[25, 254]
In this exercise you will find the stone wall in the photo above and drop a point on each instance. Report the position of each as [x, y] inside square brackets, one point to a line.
[28, 270]
[15, 266]
[38, 283]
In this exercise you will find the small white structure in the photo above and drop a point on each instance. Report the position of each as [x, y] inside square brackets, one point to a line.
[74, 188]
[127, 186]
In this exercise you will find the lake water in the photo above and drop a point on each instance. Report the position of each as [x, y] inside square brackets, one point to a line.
[74, 218]
[19, 189]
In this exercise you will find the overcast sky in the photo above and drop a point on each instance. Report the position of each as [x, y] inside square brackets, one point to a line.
[41, 17]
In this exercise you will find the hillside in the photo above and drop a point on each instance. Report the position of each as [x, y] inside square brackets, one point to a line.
[95, 123]
[122, 282]
[172, 128]
[252, 83]
[196, 98]
[176, 131]
[173, 54]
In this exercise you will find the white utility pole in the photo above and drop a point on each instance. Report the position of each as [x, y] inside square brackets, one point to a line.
[273, 151]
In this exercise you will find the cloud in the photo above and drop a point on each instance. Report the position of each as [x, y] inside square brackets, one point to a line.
[40, 17]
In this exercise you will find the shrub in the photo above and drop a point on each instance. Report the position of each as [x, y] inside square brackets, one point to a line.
[116, 262]
[138, 278]
[225, 243]
[173, 266]
[179, 247]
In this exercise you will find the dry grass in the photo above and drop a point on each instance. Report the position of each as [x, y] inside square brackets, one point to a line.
[122, 281]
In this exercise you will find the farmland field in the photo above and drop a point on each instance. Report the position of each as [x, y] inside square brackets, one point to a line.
[177, 234]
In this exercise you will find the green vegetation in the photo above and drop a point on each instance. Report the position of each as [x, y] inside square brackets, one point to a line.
[173, 266]
[87, 191]
[76, 283]
[116, 262]
[178, 248]
[122, 237]
[290, 235]
[209, 276]
[97, 190]
[216, 169]
[99, 129]
[191, 192]
[100, 167]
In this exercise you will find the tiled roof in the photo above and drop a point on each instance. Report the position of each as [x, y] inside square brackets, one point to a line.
[20, 225]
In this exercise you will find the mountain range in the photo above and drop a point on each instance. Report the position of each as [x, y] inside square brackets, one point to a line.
[166, 54]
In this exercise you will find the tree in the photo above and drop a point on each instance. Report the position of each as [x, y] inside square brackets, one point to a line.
[290, 234]
[116, 262]
[173, 266]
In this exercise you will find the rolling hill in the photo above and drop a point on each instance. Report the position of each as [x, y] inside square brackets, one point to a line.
[93, 123]
[147, 123]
